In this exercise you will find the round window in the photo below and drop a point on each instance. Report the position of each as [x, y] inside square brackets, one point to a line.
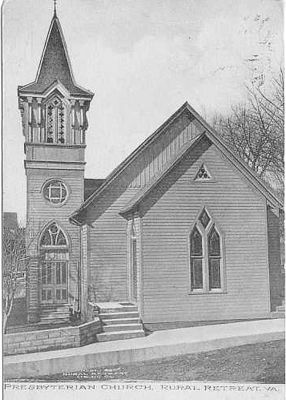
[55, 192]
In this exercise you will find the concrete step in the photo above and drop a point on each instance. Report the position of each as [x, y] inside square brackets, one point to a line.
[118, 309]
[52, 319]
[278, 314]
[55, 312]
[53, 322]
[55, 308]
[120, 335]
[55, 315]
[116, 315]
[121, 327]
[119, 321]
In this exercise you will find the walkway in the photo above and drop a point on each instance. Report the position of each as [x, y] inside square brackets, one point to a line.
[157, 345]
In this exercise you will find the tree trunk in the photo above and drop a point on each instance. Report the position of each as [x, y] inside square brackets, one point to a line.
[7, 313]
[5, 320]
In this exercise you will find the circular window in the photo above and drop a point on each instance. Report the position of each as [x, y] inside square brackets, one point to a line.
[55, 192]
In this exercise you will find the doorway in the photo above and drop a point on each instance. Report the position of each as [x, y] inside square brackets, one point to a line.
[54, 280]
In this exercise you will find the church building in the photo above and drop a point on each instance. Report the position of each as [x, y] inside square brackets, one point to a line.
[182, 229]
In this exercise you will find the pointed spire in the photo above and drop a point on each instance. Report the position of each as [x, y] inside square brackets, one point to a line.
[55, 64]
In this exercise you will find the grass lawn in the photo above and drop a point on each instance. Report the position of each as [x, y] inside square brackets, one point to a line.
[262, 362]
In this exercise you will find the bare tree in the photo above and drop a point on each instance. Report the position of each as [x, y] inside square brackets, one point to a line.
[16, 245]
[14, 261]
[255, 131]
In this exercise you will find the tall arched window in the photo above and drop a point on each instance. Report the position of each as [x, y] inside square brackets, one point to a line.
[56, 121]
[214, 253]
[206, 255]
[54, 265]
[196, 259]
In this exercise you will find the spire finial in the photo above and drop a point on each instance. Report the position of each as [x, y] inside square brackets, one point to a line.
[55, 8]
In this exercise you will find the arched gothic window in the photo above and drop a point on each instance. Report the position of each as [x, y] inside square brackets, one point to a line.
[196, 259]
[54, 265]
[214, 253]
[53, 236]
[205, 255]
[56, 121]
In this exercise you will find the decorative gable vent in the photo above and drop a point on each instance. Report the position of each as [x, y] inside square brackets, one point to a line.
[203, 174]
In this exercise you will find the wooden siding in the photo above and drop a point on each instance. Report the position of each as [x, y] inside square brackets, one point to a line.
[167, 217]
[84, 275]
[40, 213]
[275, 268]
[108, 247]
[165, 148]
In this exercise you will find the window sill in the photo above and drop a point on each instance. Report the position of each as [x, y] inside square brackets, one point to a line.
[194, 293]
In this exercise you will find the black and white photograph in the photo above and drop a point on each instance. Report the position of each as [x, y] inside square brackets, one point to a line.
[143, 199]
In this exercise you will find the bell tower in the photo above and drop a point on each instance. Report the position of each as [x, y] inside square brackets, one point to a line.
[54, 121]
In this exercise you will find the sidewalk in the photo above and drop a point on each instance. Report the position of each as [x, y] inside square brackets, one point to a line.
[157, 345]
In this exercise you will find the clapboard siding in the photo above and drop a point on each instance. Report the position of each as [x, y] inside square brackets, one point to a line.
[107, 247]
[107, 250]
[84, 272]
[165, 148]
[169, 213]
[275, 268]
[40, 213]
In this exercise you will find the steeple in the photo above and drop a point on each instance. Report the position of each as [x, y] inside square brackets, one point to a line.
[54, 119]
[54, 106]
[55, 65]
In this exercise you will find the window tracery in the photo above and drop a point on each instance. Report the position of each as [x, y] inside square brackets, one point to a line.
[55, 191]
[205, 255]
[53, 236]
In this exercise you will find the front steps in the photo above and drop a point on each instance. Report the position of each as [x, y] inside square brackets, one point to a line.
[119, 321]
[280, 311]
[54, 314]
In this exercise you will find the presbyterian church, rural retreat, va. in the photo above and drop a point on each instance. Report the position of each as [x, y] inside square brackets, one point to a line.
[182, 229]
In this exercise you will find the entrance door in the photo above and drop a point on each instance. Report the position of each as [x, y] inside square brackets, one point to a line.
[61, 282]
[47, 283]
[54, 281]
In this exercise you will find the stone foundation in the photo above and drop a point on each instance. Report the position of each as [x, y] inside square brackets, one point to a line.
[51, 339]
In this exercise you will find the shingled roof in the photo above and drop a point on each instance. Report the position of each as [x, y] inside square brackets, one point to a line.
[55, 65]
[78, 216]
[91, 185]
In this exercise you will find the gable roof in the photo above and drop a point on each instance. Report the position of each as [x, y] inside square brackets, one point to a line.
[209, 133]
[55, 65]
[145, 190]
[91, 185]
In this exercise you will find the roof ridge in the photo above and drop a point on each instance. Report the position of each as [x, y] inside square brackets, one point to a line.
[133, 154]
[214, 136]
[211, 134]
[160, 174]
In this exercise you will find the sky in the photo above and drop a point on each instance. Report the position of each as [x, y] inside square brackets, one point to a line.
[143, 59]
